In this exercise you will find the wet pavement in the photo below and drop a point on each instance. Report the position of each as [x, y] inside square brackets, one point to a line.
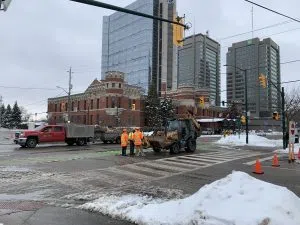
[45, 185]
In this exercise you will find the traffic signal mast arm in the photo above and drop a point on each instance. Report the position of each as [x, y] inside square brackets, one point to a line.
[124, 10]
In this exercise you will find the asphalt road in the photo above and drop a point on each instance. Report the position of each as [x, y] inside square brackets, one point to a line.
[47, 184]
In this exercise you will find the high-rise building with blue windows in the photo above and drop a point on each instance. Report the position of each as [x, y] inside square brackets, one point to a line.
[142, 48]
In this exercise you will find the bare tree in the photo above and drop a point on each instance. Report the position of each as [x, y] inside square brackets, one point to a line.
[292, 104]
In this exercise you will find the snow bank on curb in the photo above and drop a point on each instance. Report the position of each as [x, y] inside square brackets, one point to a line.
[254, 140]
[296, 149]
[236, 199]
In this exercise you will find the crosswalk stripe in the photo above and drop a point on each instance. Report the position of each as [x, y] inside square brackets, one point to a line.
[261, 160]
[178, 164]
[198, 159]
[140, 167]
[186, 161]
[128, 173]
[208, 157]
[172, 169]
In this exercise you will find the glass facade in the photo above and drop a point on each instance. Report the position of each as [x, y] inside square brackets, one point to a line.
[127, 44]
[257, 57]
[199, 65]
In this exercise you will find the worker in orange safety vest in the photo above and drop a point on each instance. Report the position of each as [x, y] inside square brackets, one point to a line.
[137, 138]
[124, 142]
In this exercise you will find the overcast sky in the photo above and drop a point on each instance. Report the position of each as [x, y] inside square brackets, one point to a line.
[40, 40]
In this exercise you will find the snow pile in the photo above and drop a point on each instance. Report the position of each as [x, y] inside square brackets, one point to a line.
[254, 140]
[236, 199]
[296, 149]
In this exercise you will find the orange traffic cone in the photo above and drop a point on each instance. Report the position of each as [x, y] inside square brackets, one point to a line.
[275, 162]
[299, 154]
[257, 168]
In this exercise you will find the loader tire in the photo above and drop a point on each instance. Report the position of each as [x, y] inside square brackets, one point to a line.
[174, 149]
[191, 145]
[156, 149]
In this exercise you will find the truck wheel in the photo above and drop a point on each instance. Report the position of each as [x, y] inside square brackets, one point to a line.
[156, 149]
[80, 142]
[31, 143]
[118, 140]
[174, 149]
[191, 145]
[70, 143]
[105, 142]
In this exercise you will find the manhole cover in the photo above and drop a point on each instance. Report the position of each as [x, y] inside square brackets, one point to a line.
[22, 205]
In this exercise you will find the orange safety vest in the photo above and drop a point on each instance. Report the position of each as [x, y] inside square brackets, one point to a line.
[124, 139]
[137, 137]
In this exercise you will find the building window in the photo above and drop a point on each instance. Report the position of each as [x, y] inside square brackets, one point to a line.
[113, 102]
[91, 120]
[98, 103]
[72, 106]
[113, 85]
[119, 102]
[129, 103]
[98, 119]
[106, 102]
[120, 85]
[107, 85]
[78, 105]
[92, 104]
[60, 105]
[55, 108]
[84, 106]
[66, 107]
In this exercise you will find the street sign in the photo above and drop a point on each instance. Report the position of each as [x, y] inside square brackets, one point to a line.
[292, 131]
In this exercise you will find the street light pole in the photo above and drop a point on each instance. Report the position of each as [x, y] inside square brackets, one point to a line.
[246, 102]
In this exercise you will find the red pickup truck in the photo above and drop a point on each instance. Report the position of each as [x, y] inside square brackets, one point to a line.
[69, 133]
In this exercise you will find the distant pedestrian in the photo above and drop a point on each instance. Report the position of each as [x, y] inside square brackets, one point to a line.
[131, 141]
[138, 136]
[124, 142]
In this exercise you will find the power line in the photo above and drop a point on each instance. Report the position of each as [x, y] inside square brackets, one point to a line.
[27, 88]
[271, 10]
[293, 61]
[291, 81]
[259, 29]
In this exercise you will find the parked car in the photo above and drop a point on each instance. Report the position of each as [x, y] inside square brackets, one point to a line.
[261, 133]
[208, 131]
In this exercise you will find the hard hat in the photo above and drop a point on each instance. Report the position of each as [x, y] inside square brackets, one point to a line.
[124, 130]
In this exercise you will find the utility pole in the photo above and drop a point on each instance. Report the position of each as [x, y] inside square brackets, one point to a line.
[69, 93]
[246, 102]
[283, 118]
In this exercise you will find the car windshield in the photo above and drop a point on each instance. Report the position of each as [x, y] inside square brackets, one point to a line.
[172, 125]
[39, 128]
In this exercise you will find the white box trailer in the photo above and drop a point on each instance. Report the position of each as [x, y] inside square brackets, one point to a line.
[79, 131]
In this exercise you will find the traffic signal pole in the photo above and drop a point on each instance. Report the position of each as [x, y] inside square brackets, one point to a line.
[246, 102]
[283, 118]
[124, 10]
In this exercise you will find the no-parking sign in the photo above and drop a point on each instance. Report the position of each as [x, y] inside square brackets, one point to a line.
[292, 131]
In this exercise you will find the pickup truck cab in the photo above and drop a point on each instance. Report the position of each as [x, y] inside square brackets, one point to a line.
[47, 134]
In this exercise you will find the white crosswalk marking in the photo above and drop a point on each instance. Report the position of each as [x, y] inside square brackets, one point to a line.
[160, 168]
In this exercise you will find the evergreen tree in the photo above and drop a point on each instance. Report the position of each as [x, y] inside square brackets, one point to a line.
[152, 108]
[7, 117]
[2, 113]
[16, 116]
[166, 110]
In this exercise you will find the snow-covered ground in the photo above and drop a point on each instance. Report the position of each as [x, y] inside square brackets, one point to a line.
[237, 199]
[254, 140]
[296, 149]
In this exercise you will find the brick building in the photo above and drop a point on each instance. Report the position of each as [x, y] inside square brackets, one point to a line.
[188, 98]
[109, 102]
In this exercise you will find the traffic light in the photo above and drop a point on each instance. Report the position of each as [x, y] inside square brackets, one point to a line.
[243, 120]
[201, 101]
[178, 31]
[263, 80]
[223, 103]
[4, 4]
[133, 107]
[276, 116]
